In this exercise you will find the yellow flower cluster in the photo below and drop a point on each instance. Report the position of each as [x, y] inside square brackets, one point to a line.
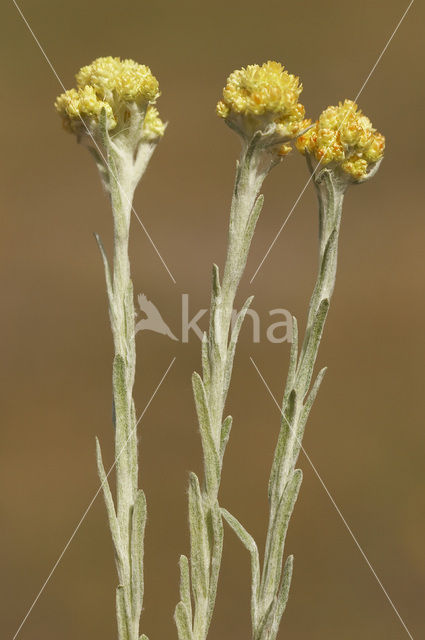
[110, 84]
[344, 135]
[119, 80]
[75, 104]
[153, 127]
[262, 95]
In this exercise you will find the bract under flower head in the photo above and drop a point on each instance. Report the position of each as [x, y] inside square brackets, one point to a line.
[258, 98]
[345, 136]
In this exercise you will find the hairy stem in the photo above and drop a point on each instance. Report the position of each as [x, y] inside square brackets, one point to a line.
[210, 392]
[271, 583]
[128, 519]
[297, 403]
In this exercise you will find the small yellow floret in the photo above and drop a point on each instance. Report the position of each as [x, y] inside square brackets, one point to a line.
[343, 134]
[262, 95]
[153, 127]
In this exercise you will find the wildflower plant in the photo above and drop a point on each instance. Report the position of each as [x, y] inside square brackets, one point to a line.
[261, 104]
[111, 111]
[342, 148]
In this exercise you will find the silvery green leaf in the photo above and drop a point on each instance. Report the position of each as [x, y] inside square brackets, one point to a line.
[282, 598]
[206, 367]
[112, 518]
[214, 328]
[217, 550]
[101, 167]
[250, 544]
[183, 622]
[232, 346]
[185, 584]
[143, 637]
[225, 434]
[312, 397]
[293, 360]
[120, 397]
[122, 440]
[129, 316]
[138, 523]
[211, 459]
[122, 618]
[284, 441]
[262, 629]
[313, 337]
[302, 420]
[216, 287]
[133, 459]
[199, 551]
[252, 221]
[273, 560]
[107, 271]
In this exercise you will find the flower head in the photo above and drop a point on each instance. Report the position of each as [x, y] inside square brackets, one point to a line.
[112, 86]
[153, 127]
[263, 98]
[118, 81]
[345, 137]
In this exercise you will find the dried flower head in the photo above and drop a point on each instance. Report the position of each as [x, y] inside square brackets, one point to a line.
[344, 136]
[264, 98]
[113, 86]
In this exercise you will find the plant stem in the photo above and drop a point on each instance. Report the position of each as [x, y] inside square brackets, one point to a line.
[127, 521]
[210, 393]
[270, 586]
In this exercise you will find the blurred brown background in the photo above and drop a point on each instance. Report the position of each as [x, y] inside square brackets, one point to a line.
[365, 434]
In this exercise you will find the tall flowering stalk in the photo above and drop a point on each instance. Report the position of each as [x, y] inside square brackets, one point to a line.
[261, 104]
[111, 111]
[341, 149]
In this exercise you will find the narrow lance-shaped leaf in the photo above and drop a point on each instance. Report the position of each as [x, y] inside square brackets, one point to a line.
[185, 584]
[112, 518]
[107, 271]
[293, 360]
[225, 434]
[273, 561]
[206, 367]
[217, 550]
[282, 598]
[122, 618]
[252, 221]
[304, 415]
[122, 442]
[249, 543]
[211, 460]
[306, 364]
[214, 333]
[137, 551]
[232, 346]
[287, 434]
[199, 553]
[183, 622]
